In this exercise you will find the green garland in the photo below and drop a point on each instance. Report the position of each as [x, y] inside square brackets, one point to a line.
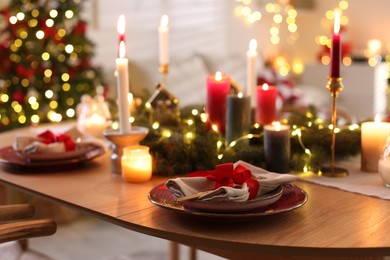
[190, 146]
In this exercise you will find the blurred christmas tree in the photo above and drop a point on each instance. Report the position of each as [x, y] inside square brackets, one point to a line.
[45, 62]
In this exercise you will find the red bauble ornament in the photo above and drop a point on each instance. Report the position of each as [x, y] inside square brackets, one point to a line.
[19, 96]
[80, 28]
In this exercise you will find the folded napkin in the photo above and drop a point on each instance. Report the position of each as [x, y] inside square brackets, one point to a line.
[49, 142]
[208, 183]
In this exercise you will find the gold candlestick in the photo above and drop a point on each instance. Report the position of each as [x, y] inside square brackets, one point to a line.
[334, 85]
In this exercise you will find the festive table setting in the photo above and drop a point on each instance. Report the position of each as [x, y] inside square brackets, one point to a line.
[235, 158]
[265, 141]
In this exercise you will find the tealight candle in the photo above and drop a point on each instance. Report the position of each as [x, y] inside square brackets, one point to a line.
[266, 104]
[136, 164]
[218, 88]
[277, 147]
[373, 138]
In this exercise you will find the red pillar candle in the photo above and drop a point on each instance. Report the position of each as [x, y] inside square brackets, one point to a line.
[336, 48]
[266, 104]
[218, 88]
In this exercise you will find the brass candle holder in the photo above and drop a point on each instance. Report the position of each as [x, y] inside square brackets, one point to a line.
[334, 85]
[120, 141]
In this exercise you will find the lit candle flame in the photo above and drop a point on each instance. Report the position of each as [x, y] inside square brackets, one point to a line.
[121, 24]
[336, 28]
[265, 86]
[377, 118]
[253, 45]
[240, 95]
[130, 98]
[122, 50]
[164, 21]
[276, 125]
[218, 76]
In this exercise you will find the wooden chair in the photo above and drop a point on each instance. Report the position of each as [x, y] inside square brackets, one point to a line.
[16, 224]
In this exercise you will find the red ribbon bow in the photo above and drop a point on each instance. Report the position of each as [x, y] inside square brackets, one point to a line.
[49, 137]
[226, 175]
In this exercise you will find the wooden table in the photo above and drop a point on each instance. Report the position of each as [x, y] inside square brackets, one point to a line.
[331, 223]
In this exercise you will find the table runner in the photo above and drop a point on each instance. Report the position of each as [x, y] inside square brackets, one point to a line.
[366, 183]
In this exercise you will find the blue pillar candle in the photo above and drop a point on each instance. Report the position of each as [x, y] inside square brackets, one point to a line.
[238, 117]
[277, 147]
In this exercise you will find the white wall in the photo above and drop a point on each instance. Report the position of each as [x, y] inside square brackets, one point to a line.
[367, 20]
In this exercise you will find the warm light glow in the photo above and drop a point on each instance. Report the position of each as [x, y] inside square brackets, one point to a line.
[240, 95]
[13, 19]
[167, 133]
[53, 13]
[336, 23]
[276, 125]
[252, 45]
[130, 98]
[298, 67]
[20, 16]
[40, 34]
[218, 76]
[69, 48]
[70, 112]
[347, 61]
[265, 86]
[377, 118]
[164, 21]
[325, 60]
[122, 49]
[374, 47]
[121, 24]
[49, 22]
[65, 77]
[35, 119]
[194, 112]
[69, 14]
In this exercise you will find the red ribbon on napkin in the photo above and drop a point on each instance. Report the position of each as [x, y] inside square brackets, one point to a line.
[49, 137]
[226, 175]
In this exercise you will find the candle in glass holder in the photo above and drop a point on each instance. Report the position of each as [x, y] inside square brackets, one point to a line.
[266, 104]
[277, 147]
[218, 88]
[136, 164]
[373, 138]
